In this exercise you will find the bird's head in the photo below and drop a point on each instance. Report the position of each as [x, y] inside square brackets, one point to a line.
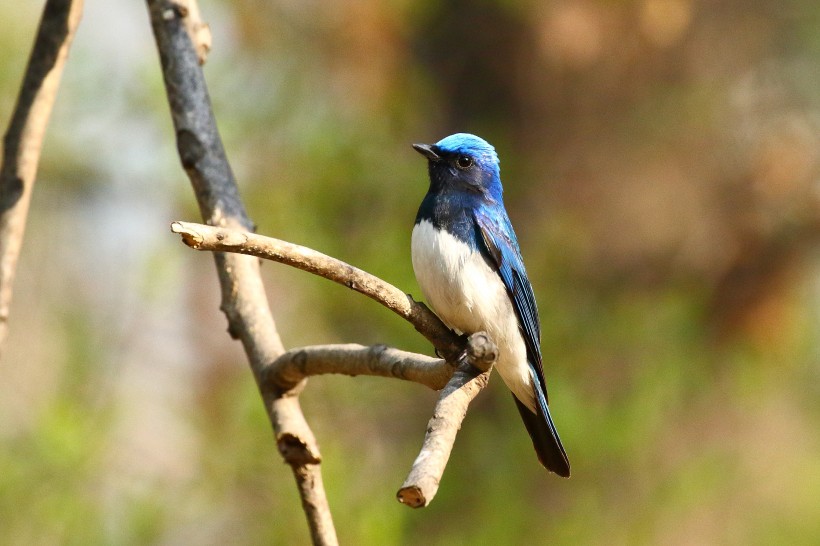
[463, 162]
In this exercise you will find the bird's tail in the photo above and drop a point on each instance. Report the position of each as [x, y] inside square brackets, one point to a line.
[544, 436]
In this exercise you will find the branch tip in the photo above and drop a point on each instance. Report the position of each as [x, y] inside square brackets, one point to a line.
[411, 496]
[190, 236]
[424, 478]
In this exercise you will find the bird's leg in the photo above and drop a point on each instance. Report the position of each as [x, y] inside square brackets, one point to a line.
[463, 341]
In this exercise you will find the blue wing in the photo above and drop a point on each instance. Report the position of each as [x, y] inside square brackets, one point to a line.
[502, 247]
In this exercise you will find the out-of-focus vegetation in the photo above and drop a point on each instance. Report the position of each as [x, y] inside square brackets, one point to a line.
[660, 159]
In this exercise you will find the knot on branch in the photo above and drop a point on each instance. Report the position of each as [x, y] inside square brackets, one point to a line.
[190, 148]
[11, 190]
[295, 451]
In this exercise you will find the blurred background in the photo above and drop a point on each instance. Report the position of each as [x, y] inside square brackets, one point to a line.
[661, 161]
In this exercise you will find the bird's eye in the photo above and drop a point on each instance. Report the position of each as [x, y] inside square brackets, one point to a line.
[464, 162]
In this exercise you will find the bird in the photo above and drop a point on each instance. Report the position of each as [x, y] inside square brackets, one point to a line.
[468, 265]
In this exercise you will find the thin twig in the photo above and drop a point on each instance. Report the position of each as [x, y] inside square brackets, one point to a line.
[23, 140]
[243, 297]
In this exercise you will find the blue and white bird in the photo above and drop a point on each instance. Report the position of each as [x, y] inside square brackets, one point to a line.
[468, 264]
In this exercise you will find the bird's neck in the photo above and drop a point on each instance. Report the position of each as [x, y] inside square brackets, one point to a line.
[451, 212]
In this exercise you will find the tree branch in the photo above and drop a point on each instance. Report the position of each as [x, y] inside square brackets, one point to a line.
[243, 296]
[474, 361]
[202, 237]
[470, 378]
[23, 140]
[352, 359]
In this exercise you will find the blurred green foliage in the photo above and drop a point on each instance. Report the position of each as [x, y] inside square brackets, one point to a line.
[660, 164]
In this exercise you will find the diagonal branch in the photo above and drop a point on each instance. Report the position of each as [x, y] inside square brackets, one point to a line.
[469, 379]
[201, 237]
[23, 140]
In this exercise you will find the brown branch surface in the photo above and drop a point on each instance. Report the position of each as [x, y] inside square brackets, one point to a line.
[462, 384]
[352, 359]
[23, 139]
[202, 237]
[244, 301]
[470, 378]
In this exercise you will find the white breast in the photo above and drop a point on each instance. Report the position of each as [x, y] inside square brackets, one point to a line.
[469, 297]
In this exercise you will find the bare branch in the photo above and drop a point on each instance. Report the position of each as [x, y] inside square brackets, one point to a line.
[294, 438]
[472, 375]
[465, 383]
[202, 237]
[311, 490]
[352, 359]
[243, 297]
[23, 140]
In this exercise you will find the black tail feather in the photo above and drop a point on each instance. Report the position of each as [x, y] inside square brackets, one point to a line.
[545, 438]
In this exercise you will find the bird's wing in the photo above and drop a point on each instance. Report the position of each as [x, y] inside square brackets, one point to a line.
[502, 250]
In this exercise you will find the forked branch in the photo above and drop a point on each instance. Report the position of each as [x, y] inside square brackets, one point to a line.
[459, 386]
[279, 375]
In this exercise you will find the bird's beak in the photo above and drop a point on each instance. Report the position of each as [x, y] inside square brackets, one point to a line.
[427, 151]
